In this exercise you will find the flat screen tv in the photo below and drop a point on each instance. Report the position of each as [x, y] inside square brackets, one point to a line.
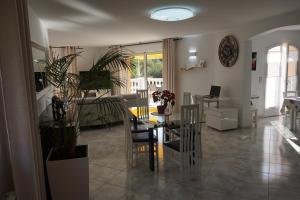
[40, 81]
[95, 80]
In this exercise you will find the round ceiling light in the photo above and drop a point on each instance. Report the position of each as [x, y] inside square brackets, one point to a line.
[172, 14]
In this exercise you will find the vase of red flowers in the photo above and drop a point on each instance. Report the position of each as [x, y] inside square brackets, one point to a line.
[165, 98]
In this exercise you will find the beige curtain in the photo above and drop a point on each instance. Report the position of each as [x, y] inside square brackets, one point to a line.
[169, 64]
[73, 67]
[124, 76]
[63, 51]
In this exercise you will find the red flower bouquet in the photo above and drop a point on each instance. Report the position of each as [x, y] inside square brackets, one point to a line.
[165, 97]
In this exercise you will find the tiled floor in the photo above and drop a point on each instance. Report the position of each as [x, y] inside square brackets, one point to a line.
[244, 164]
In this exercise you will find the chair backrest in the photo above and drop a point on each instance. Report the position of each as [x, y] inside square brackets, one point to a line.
[198, 99]
[190, 137]
[186, 98]
[143, 107]
[126, 118]
[128, 134]
[152, 88]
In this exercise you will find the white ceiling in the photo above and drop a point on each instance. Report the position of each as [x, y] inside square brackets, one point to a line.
[108, 22]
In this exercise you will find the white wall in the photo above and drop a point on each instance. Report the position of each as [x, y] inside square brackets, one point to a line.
[261, 44]
[236, 80]
[88, 55]
[38, 34]
[197, 80]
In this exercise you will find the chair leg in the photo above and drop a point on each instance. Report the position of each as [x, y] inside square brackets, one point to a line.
[156, 154]
[132, 156]
[201, 155]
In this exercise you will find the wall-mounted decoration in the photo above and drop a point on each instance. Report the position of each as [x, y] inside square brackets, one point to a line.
[228, 51]
[200, 64]
[254, 57]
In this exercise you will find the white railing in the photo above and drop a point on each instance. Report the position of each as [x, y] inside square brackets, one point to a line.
[139, 83]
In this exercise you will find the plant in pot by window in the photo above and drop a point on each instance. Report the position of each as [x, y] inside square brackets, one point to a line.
[165, 98]
[67, 162]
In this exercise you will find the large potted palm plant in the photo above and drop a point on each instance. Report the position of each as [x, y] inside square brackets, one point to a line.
[67, 162]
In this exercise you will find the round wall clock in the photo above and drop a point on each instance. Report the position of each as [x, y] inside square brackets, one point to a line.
[228, 51]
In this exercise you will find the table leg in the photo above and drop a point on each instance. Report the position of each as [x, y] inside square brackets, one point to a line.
[151, 149]
[166, 136]
[135, 123]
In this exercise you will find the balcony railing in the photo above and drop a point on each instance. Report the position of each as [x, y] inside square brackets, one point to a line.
[139, 83]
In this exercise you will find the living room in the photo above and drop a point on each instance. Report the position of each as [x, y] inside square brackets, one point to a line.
[223, 45]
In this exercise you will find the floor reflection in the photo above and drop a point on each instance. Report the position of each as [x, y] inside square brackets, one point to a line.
[256, 164]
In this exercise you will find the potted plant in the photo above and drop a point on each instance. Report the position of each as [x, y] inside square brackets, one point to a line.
[67, 162]
[165, 98]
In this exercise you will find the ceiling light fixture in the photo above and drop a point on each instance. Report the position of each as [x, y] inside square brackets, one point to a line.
[172, 14]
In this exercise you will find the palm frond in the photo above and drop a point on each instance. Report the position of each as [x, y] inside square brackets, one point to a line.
[114, 60]
[116, 81]
[108, 106]
[71, 86]
[57, 68]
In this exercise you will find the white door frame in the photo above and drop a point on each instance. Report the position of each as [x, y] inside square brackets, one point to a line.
[265, 76]
[19, 101]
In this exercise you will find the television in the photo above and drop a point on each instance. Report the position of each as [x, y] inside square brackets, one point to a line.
[40, 81]
[95, 80]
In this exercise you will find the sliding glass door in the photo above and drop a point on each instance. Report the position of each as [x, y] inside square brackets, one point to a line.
[154, 71]
[138, 75]
[147, 73]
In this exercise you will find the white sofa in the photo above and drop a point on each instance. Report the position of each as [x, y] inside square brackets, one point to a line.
[88, 116]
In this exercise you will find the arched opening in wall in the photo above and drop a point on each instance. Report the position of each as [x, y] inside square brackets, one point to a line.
[281, 77]
[275, 70]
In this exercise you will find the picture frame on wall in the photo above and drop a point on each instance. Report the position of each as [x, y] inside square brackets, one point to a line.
[254, 59]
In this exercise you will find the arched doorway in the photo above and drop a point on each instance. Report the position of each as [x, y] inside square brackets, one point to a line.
[281, 77]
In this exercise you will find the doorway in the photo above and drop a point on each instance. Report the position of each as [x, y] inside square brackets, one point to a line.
[147, 75]
[281, 77]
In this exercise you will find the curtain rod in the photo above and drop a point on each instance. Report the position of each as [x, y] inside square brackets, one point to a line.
[141, 43]
[64, 47]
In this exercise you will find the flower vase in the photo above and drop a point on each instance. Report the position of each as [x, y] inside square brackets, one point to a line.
[161, 109]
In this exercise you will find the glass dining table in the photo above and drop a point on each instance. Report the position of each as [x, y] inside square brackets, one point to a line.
[150, 126]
